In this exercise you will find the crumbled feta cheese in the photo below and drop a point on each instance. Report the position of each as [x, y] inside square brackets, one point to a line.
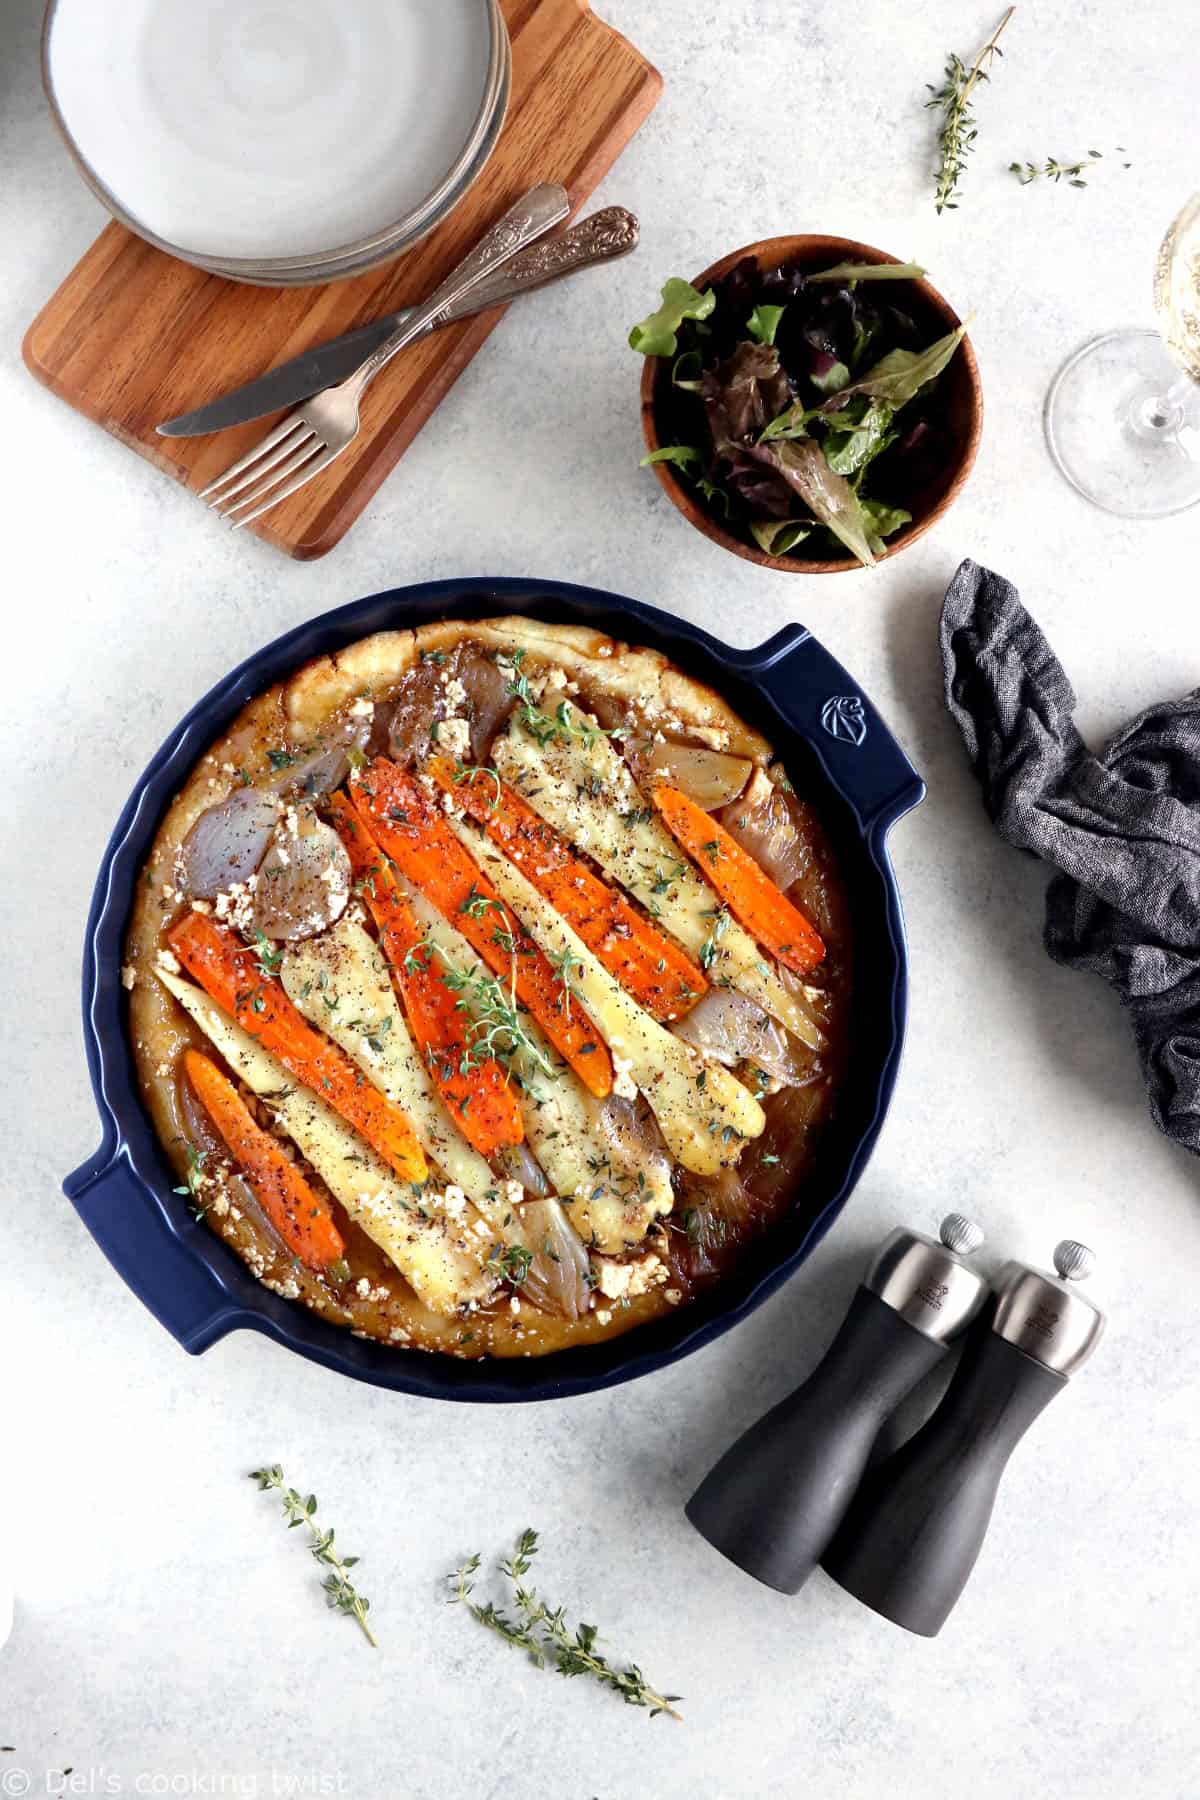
[625, 1281]
[624, 1086]
[715, 736]
[514, 1306]
[168, 963]
[128, 977]
[454, 1201]
[456, 693]
[454, 737]
[363, 708]
[673, 1296]
[603, 1316]
[513, 1193]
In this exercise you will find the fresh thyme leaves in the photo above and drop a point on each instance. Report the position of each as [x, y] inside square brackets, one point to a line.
[544, 1634]
[496, 1028]
[340, 1591]
[468, 772]
[1053, 170]
[280, 759]
[193, 1178]
[956, 137]
[476, 904]
[716, 931]
[566, 723]
[269, 958]
[566, 964]
[511, 1264]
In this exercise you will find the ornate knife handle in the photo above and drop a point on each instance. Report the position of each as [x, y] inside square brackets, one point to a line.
[532, 216]
[606, 234]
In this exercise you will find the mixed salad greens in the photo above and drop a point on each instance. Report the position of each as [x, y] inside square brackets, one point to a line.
[803, 407]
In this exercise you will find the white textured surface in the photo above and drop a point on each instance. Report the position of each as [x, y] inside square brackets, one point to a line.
[165, 1624]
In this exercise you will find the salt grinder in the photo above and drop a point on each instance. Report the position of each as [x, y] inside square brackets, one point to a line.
[909, 1541]
[775, 1499]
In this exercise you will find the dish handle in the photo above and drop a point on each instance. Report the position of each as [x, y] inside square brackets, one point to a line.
[129, 1226]
[822, 701]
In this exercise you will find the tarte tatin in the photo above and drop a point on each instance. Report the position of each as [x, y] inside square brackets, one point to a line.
[489, 987]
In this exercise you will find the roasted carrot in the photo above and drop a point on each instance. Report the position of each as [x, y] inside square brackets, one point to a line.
[232, 976]
[747, 890]
[647, 963]
[476, 1093]
[300, 1217]
[413, 831]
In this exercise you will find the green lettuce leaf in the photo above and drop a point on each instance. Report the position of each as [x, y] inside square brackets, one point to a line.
[828, 496]
[778, 536]
[763, 323]
[833, 381]
[882, 521]
[901, 374]
[655, 336]
[869, 272]
[792, 423]
[857, 435]
[684, 456]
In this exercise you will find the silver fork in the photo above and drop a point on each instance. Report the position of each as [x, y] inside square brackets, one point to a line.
[313, 436]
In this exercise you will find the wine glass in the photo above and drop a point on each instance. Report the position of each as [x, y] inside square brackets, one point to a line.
[1122, 421]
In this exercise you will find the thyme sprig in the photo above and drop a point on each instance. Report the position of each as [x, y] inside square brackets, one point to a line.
[193, 1180]
[542, 1631]
[269, 958]
[495, 1026]
[471, 772]
[956, 137]
[565, 723]
[340, 1591]
[1054, 170]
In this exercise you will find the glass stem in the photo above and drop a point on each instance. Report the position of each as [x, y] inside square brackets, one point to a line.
[1161, 415]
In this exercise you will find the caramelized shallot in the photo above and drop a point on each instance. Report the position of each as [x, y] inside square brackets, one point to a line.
[304, 881]
[557, 1279]
[709, 777]
[764, 823]
[728, 1027]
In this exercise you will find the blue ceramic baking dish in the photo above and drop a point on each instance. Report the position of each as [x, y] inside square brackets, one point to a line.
[833, 741]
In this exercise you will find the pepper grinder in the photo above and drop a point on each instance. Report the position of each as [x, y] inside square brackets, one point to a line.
[909, 1541]
[775, 1499]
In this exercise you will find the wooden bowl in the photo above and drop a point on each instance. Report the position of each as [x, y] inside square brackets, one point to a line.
[964, 404]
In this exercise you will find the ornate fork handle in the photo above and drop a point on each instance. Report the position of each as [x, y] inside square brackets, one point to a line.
[611, 232]
[532, 216]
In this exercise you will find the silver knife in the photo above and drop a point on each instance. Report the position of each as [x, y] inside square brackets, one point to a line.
[605, 235]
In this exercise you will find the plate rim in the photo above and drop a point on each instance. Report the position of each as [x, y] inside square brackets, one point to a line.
[343, 260]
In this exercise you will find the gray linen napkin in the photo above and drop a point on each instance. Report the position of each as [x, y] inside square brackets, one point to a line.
[1122, 828]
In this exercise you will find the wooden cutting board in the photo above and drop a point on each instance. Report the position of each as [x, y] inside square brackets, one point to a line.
[134, 336]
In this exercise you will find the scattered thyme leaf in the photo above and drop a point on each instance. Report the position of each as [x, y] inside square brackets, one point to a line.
[1054, 170]
[543, 1633]
[340, 1591]
[956, 137]
[193, 1178]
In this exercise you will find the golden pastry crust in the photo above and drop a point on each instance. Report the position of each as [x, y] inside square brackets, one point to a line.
[667, 697]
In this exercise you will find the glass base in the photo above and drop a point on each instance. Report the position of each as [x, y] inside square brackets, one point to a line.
[1123, 425]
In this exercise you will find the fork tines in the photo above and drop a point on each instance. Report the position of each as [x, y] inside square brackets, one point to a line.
[285, 460]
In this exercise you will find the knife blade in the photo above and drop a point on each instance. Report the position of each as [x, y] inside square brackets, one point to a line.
[603, 236]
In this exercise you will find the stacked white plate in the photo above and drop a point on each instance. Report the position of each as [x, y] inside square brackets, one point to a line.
[279, 141]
